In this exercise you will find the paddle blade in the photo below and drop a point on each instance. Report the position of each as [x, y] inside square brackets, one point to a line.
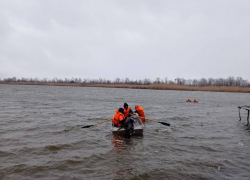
[88, 126]
[164, 123]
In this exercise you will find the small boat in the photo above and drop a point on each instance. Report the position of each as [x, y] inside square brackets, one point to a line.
[133, 126]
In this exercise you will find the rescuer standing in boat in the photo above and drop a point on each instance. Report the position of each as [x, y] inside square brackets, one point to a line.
[139, 110]
[119, 118]
[127, 110]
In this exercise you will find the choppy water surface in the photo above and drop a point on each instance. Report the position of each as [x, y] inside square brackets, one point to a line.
[41, 135]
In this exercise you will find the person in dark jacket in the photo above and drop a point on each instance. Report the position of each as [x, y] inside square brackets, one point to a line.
[127, 110]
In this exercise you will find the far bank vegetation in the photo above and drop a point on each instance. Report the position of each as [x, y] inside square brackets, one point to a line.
[230, 84]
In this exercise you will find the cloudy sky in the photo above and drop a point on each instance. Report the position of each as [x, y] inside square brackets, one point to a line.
[125, 38]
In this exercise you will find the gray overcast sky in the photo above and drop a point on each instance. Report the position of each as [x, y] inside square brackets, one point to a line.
[125, 38]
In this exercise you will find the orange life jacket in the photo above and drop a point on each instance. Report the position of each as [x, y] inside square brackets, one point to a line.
[126, 112]
[118, 117]
[140, 112]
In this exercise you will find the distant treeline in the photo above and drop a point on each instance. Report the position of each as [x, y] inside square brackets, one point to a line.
[230, 81]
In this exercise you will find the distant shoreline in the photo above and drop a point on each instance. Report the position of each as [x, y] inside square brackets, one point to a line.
[150, 86]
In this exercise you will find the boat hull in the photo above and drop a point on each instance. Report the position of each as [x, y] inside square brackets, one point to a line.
[138, 128]
[137, 132]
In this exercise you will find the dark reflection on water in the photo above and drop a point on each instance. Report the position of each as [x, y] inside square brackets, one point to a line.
[41, 135]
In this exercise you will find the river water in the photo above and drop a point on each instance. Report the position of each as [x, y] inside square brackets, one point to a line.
[41, 135]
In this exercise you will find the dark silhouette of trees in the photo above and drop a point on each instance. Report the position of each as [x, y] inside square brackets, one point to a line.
[230, 81]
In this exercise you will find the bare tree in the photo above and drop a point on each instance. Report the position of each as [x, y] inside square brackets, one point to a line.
[203, 82]
[146, 81]
[238, 81]
[157, 80]
[117, 80]
[231, 81]
[178, 81]
[104, 81]
[166, 80]
[126, 80]
[211, 82]
[195, 82]
[171, 82]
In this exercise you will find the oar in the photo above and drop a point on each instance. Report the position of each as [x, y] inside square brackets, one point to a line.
[88, 126]
[163, 123]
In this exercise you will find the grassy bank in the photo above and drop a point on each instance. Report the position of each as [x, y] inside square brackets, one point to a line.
[151, 86]
[178, 87]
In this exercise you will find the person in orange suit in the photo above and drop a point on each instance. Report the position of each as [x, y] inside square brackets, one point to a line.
[118, 118]
[127, 110]
[195, 101]
[139, 110]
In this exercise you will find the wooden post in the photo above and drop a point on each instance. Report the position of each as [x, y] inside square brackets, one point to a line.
[247, 118]
[239, 114]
